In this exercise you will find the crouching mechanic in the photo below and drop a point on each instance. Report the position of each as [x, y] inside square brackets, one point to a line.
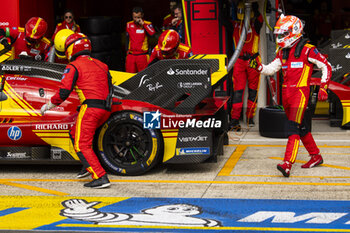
[297, 58]
[91, 80]
[169, 47]
[28, 41]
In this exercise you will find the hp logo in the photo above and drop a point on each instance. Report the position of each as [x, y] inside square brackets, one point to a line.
[14, 133]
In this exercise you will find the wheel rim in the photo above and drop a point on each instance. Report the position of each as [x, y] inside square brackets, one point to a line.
[129, 144]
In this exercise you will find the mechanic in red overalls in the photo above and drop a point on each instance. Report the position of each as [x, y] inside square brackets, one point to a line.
[167, 20]
[241, 71]
[169, 47]
[68, 23]
[296, 57]
[91, 80]
[138, 32]
[28, 41]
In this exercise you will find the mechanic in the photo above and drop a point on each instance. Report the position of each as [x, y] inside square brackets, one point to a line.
[59, 46]
[28, 41]
[67, 23]
[169, 47]
[296, 57]
[91, 80]
[177, 23]
[137, 32]
[241, 71]
[168, 19]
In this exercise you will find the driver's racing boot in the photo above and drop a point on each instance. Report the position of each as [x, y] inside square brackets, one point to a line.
[83, 173]
[234, 125]
[314, 161]
[102, 182]
[285, 168]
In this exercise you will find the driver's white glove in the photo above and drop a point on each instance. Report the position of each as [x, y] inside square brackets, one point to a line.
[46, 107]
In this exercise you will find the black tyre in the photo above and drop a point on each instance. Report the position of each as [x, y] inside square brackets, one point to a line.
[96, 25]
[273, 120]
[100, 43]
[125, 147]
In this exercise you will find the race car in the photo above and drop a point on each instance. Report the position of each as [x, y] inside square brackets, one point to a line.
[166, 113]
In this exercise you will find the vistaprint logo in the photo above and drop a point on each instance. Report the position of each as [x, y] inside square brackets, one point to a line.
[155, 120]
[187, 72]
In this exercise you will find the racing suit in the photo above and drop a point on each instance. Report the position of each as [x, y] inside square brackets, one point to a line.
[297, 64]
[90, 79]
[137, 54]
[17, 38]
[167, 22]
[64, 25]
[182, 52]
[242, 72]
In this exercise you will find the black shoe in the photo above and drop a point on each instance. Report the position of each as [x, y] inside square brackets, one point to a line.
[100, 183]
[234, 125]
[250, 122]
[83, 173]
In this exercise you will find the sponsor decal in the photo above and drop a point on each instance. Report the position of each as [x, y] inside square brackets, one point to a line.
[9, 78]
[337, 45]
[284, 67]
[179, 214]
[15, 68]
[189, 84]
[154, 87]
[4, 24]
[155, 120]
[14, 133]
[151, 120]
[66, 70]
[52, 127]
[187, 72]
[193, 151]
[140, 31]
[34, 51]
[56, 154]
[144, 80]
[296, 65]
[336, 68]
[198, 138]
[22, 155]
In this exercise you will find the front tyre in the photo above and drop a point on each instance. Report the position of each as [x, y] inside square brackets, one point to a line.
[125, 147]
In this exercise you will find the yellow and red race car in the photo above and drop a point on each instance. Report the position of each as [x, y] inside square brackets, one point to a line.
[166, 113]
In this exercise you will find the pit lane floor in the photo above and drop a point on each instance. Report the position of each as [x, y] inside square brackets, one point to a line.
[242, 192]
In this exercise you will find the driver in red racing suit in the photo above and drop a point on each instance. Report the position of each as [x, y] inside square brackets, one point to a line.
[28, 41]
[169, 47]
[296, 57]
[91, 80]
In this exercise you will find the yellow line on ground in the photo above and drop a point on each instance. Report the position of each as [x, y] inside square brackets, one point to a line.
[191, 182]
[232, 161]
[318, 177]
[257, 145]
[208, 228]
[33, 188]
[323, 165]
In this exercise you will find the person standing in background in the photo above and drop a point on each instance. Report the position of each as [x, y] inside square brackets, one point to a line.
[167, 21]
[137, 33]
[68, 23]
[242, 73]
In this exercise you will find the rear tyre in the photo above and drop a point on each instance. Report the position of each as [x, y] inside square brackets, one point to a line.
[125, 147]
